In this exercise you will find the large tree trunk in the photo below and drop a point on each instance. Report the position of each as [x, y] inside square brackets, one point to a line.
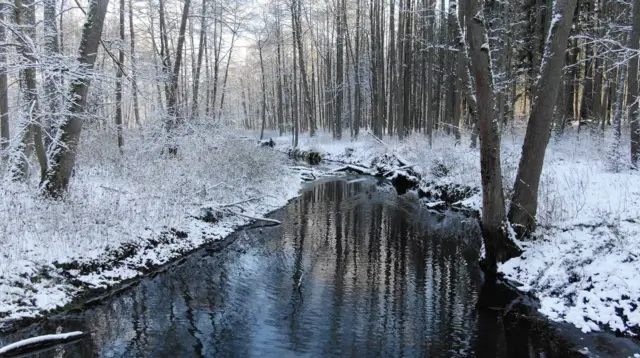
[31, 130]
[524, 204]
[62, 155]
[633, 87]
[172, 98]
[498, 246]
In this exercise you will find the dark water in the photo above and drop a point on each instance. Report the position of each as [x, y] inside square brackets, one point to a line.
[355, 270]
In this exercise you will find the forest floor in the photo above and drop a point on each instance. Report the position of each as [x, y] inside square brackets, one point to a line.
[585, 258]
[128, 214]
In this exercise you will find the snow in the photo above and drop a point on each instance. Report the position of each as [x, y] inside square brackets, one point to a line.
[126, 214]
[582, 265]
[584, 262]
[49, 338]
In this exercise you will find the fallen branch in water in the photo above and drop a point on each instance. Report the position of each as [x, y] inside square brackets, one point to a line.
[399, 168]
[353, 168]
[36, 343]
[226, 210]
[273, 221]
[242, 201]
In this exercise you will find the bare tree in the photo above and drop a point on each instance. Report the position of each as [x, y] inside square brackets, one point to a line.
[4, 84]
[134, 69]
[172, 93]
[62, 155]
[119, 74]
[31, 129]
[524, 204]
[634, 45]
[498, 246]
[308, 110]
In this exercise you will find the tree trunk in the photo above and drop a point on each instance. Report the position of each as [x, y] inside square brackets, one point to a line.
[226, 74]
[201, 46]
[4, 84]
[357, 80]
[264, 91]
[119, 79]
[52, 80]
[172, 98]
[31, 130]
[634, 116]
[524, 204]
[134, 69]
[308, 110]
[498, 246]
[62, 155]
[337, 132]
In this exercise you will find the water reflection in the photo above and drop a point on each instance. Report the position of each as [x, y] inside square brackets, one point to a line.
[354, 270]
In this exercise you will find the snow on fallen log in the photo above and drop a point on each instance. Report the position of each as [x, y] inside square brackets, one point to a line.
[354, 168]
[35, 343]
[403, 162]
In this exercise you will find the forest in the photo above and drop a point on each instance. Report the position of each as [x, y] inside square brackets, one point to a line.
[133, 133]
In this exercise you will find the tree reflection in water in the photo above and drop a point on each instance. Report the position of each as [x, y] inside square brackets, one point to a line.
[354, 270]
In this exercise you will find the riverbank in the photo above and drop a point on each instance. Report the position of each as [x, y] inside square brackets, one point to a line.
[584, 261]
[127, 217]
[129, 214]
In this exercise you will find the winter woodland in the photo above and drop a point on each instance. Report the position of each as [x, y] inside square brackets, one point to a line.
[121, 119]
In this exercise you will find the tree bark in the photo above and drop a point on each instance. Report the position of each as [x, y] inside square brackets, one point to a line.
[4, 85]
[524, 204]
[52, 80]
[63, 152]
[264, 91]
[498, 246]
[31, 130]
[308, 110]
[337, 132]
[134, 70]
[119, 79]
[634, 116]
[172, 98]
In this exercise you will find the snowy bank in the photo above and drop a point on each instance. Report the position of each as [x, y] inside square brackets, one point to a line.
[584, 262]
[127, 214]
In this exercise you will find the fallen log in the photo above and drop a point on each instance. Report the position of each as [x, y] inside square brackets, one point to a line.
[354, 169]
[38, 343]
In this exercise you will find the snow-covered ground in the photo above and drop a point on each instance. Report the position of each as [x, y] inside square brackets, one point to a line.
[584, 263]
[126, 214]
